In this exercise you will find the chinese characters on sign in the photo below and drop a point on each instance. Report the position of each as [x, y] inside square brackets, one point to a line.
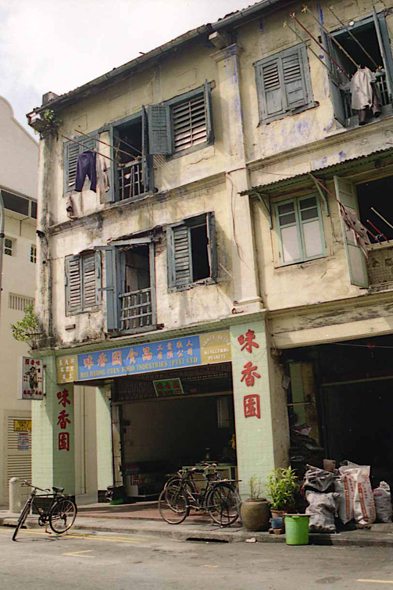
[63, 420]
[168, 387]
[31, 387]
[251, 403]
[67, 369]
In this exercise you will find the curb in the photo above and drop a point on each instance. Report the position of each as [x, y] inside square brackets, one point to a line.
[220, 535]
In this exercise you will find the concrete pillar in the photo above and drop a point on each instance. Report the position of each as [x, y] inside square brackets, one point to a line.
[244, 266]
[53, 456]
[14, 493]
[104, 438]
[252, 398]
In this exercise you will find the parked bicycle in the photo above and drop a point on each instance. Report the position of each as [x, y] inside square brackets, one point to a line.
[60, 513]
[219, 498]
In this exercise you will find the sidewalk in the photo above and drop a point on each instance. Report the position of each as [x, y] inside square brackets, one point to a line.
[144, 519]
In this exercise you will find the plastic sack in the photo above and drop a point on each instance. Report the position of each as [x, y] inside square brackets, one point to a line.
[318, 479]
[383, 502]
[356, 499]
[322, 509]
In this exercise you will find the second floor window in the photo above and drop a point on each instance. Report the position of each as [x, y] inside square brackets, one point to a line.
[83, 282]
[300, 230]
[9, 247]
[283, 83]
[33, 254]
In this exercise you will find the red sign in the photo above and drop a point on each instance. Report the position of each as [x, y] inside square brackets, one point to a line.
[252, 407]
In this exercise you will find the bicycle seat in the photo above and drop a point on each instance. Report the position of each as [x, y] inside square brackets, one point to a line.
[58, 490]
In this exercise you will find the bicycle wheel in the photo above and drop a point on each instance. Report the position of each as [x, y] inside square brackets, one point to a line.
[62, 515]
[223, 504]
[172, 504]
[21, 519]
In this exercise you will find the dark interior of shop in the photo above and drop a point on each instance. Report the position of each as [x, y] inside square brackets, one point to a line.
[374, 201]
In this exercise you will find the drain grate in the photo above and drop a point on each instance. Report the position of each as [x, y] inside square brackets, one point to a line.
[205, 540]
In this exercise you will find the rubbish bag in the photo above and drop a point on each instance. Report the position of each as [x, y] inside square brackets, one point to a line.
[318, 479]
[322, 510]
[356, 500]
[383, 502]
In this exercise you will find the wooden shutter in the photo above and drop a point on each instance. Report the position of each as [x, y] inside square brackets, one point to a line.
[73, 285]
[293, 67]
[111, 288]
[71, 153]
[208, 113]
[145, 152]
[384, 46]
[334, 81]
[269, 88]
[212, 244]
[179, 253]
[91, 279]
[159, 129]
[346, 194]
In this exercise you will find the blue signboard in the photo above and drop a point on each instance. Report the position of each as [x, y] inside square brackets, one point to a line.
[142, 358]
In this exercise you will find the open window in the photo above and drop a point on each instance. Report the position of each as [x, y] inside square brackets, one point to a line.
[372, 34]
[192, 254]
[130, 286]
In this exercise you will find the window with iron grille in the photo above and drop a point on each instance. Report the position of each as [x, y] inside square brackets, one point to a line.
[19, 302]
[33, 254]
[283, 83]
[83, 282]
[9, 247]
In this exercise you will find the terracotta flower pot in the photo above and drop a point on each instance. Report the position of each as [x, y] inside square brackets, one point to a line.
[255, 515]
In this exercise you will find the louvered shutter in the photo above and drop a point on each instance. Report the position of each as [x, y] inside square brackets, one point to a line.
[179, 252]
[293, 79]
[384, 46]
[334, 81]
[73, 285]
[209, 113]
[269, 88]
[212, 244]
[159, 129]
[111, 288]
[189, 120]
[145, 152]
[71, 153]
[90, 280]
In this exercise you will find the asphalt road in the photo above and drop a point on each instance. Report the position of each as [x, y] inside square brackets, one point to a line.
[105, 561]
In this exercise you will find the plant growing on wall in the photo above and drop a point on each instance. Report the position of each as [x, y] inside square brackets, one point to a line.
[26, 330]
[49, 123]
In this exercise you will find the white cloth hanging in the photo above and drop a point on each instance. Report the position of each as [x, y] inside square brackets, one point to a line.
[361, 89]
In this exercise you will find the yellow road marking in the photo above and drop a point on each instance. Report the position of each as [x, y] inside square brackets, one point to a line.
[78, 553]
[377, 581]
[88, 536]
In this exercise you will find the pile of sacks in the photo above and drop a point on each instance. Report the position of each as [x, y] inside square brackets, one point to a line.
[345, 493]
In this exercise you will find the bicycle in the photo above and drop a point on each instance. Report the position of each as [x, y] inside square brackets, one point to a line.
[180, 494]
[60, 515]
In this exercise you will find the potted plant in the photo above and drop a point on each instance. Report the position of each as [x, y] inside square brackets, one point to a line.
[281, 486]
[255, 510]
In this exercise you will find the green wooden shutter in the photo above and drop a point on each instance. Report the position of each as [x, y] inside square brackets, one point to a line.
[269, 86]
[208, 113]
[384, 45]
[145, 152]
[179, 256]
[294, 64]
[334, 81]
[111, 288]
[159, 129]
[346, 194]
[73, 277]
[91, 280]
[212, 244]
[71, 153]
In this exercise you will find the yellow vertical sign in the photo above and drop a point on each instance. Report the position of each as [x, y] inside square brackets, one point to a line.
[67, 369]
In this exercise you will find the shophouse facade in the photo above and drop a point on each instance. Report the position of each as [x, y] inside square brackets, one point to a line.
[184, 306]
[18, 185]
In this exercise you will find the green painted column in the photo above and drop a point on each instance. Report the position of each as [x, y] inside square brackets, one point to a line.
[53, 455]
[253, 413]
[104, 438]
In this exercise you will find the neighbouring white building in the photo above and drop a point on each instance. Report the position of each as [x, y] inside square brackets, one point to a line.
[18, 184]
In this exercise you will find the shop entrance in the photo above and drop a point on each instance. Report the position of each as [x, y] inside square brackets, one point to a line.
[174, 419]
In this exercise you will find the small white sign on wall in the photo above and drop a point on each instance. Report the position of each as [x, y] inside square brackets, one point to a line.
[31, 379]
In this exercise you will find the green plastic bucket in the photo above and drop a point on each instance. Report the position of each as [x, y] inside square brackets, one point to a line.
[296, 529]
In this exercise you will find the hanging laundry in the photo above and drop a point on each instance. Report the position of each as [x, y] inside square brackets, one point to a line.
[86, 166]
[353, 224]
[365, 94]
[102, 179]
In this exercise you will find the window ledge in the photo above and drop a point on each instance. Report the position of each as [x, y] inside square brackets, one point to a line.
[312, 105]
[306, 262]
[201, 283]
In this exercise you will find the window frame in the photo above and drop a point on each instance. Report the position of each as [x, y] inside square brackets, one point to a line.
[33, 253]
[69, 310]
[189, 222]
[301, 50]
[299, 227]
[12, 240]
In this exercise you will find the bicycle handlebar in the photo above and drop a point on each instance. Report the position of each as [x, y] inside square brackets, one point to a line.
[27, 483]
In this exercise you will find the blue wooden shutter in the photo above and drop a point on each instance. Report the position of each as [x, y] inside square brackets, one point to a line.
[71, 153]
[269, 86]
[91, 280]
[212, 244]
[208, 113]
[384, 45]
[159, 129]
[179, 256]
[111, 288]
[294, 65]
[145, 152]
[73, 277]
[334, 81]
[346, 194]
